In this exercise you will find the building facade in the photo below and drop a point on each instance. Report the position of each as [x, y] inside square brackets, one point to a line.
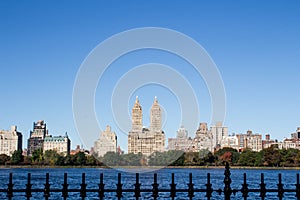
[106, 143]
[250, 141]
[146, 140]
[204, 138]
[60, 144]
[218, 133]
[10, 141]
[182, 142]
[37, 136]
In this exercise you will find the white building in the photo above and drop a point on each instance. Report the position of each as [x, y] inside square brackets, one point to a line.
[60, 144]
[182, 142]
[219, 133]
[106, 143]
[10, 141]
[204, 138]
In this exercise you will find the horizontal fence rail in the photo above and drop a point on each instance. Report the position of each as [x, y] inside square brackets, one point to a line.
[137, 191]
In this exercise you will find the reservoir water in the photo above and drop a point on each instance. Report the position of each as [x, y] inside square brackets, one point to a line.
[146, 180]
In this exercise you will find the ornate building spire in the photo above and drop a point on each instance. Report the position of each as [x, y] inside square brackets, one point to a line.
[155, 116]
[137, 116]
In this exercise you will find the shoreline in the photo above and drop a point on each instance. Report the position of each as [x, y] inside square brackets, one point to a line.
[144, 167]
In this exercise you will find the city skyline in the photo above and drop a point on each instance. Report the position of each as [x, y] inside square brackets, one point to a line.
[254, 44]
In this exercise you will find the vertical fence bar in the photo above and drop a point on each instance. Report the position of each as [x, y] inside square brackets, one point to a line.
[191, 187]
[65, 187]
[28, 187]
[10, 187]
[209, 189]
[280, 187]
[227, 182]
[155, 187]
[47, 187]
[244, 189]
[137, 187]
[298, 188]
[101, 188]
[262, 187]
[83, 187]
[119, 187]
[173, 187]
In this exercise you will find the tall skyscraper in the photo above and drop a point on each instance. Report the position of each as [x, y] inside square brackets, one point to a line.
[106, 143]
[155, 117]
[137, 116]
[37, 136]
[10, 141]
[144, 140]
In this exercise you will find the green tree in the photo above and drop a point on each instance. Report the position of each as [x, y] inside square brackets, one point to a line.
[50, 157]
[4, 158]
[17, 157]
[111, 159]
[191, 159]
[271, 156]
[37, 156]
[80, 158]
[288, 157]
[247, 158]
[227, 155]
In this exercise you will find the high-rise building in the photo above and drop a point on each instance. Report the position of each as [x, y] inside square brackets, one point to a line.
[137, 116]
[106, 143]
[145, 140]
[182, 142]
[155, 117]
[204, 138]
[10, 141]
[219, 133]
[60, 144]
[37, 136]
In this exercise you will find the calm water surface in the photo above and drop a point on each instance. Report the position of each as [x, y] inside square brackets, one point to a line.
[146, 179]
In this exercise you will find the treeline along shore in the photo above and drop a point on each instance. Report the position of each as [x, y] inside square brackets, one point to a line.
[267, 158]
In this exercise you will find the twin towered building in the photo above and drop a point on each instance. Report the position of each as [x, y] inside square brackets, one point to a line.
[146, 140]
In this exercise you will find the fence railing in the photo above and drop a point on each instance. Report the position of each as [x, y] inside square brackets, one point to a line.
[227, 192]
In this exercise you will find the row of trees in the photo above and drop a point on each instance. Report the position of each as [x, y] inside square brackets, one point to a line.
[271, 157]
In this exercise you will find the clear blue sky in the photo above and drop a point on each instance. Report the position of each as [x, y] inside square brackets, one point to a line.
[255, 45]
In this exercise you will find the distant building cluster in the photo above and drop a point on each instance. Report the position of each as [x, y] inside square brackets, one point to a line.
[145, 140]
[40, 139]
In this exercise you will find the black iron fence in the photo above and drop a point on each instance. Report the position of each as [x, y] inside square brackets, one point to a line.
[226, 192]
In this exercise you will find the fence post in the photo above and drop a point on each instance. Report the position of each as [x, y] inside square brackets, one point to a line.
[298, 188]
[47, 187]
[83, 187]
[137, 187]
[155, 187]
[227, 182]
[119, 187]
[191, 187]
[28, 187]
[101, 187]
[244, 189]
[280, 188]
[209, 189]
[10, 187]
[262, 187]
[173, 187]
[65, 187]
